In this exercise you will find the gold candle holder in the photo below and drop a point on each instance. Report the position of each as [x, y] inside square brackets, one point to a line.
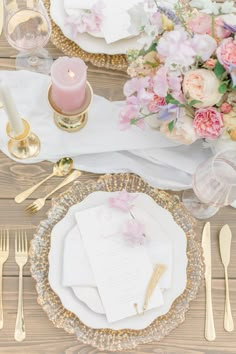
[72, 122]
[25, 145]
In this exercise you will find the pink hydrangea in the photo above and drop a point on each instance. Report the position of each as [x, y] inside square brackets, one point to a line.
[208, 122]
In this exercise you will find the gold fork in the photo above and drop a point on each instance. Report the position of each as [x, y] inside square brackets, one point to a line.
[4, 253]
[21, 257]
[39, 203]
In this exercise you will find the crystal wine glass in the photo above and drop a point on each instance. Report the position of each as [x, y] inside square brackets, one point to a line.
[27, 28]
[214, 185]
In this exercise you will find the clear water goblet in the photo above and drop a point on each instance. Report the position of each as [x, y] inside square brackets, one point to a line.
[214, 185]
[27, 28]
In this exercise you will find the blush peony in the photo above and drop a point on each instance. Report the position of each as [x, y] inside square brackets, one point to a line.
[208, 123]
[226, 53]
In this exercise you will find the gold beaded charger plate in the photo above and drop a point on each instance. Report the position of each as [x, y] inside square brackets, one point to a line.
[108, 339]
[70, 48]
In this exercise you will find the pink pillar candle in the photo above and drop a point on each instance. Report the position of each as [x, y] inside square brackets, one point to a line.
[69, 76]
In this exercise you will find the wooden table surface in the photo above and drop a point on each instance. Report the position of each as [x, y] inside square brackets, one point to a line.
[42, 336]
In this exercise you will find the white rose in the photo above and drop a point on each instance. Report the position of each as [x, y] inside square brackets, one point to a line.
[183, 131]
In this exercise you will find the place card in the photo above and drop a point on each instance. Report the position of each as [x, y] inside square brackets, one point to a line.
[122, 272]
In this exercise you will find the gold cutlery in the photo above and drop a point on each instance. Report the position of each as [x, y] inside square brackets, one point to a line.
[21, 257]
[225, 245]
[158, 271]
[60, 168]
[4, 253]
[39, 203]
[206, 245]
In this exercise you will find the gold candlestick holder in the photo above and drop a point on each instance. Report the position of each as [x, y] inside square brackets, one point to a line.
[25, 145]
[72, 122]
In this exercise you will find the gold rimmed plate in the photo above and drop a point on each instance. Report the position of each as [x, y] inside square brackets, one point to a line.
[108, 339]
[70, 48]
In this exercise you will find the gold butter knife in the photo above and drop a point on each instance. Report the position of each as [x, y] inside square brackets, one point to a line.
[1, 16]
[206, 245]
[225, 244]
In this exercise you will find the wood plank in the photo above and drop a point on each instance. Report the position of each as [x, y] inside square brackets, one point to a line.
[43, 337]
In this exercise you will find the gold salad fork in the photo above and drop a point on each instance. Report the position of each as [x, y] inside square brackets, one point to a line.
[4, 253]
[39, 203]
[21, 257]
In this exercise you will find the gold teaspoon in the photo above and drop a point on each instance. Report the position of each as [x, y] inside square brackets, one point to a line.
[60, 168]
[225, 245]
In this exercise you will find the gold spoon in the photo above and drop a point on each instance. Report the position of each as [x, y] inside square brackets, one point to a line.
[61, 168]
[225, 244]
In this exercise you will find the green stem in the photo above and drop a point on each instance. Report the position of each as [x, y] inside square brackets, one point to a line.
[213, 26]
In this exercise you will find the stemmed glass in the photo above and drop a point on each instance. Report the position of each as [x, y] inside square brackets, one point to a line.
[214, 185]
[27, 28]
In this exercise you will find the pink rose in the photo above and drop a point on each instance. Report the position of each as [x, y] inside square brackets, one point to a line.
[225, 107]
[208, 123]
[201, 23]
[226, 53]
[202, 85]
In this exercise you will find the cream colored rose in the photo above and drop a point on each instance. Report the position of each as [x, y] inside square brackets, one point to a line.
[183, 131]
[202, 85]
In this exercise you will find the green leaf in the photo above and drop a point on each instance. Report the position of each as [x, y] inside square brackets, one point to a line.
[171, 99]
[193, 102]
[171, 126]
[219, 70]
[222, 88]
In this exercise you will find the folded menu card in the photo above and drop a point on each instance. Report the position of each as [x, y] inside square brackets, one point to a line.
[158, 247]
[121, 271]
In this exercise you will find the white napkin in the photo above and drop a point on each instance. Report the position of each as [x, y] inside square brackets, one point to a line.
[100, 147]
[116, 23]
[122, 272]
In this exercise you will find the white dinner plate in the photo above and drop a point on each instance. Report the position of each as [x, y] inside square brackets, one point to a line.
[84, 313]
[90, 43]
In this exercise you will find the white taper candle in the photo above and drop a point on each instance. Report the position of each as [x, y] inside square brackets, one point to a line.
[10, 109]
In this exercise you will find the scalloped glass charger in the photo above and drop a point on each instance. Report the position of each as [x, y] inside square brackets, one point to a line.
[125, 335]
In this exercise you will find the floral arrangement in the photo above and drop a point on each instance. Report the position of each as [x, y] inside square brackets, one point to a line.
[183, 82]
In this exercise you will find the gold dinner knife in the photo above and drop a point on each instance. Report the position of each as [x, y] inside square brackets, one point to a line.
[206, 245]
[225, 244]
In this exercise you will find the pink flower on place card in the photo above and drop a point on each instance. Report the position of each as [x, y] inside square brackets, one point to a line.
[208, 123]
[134, 232]
[123, 201]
